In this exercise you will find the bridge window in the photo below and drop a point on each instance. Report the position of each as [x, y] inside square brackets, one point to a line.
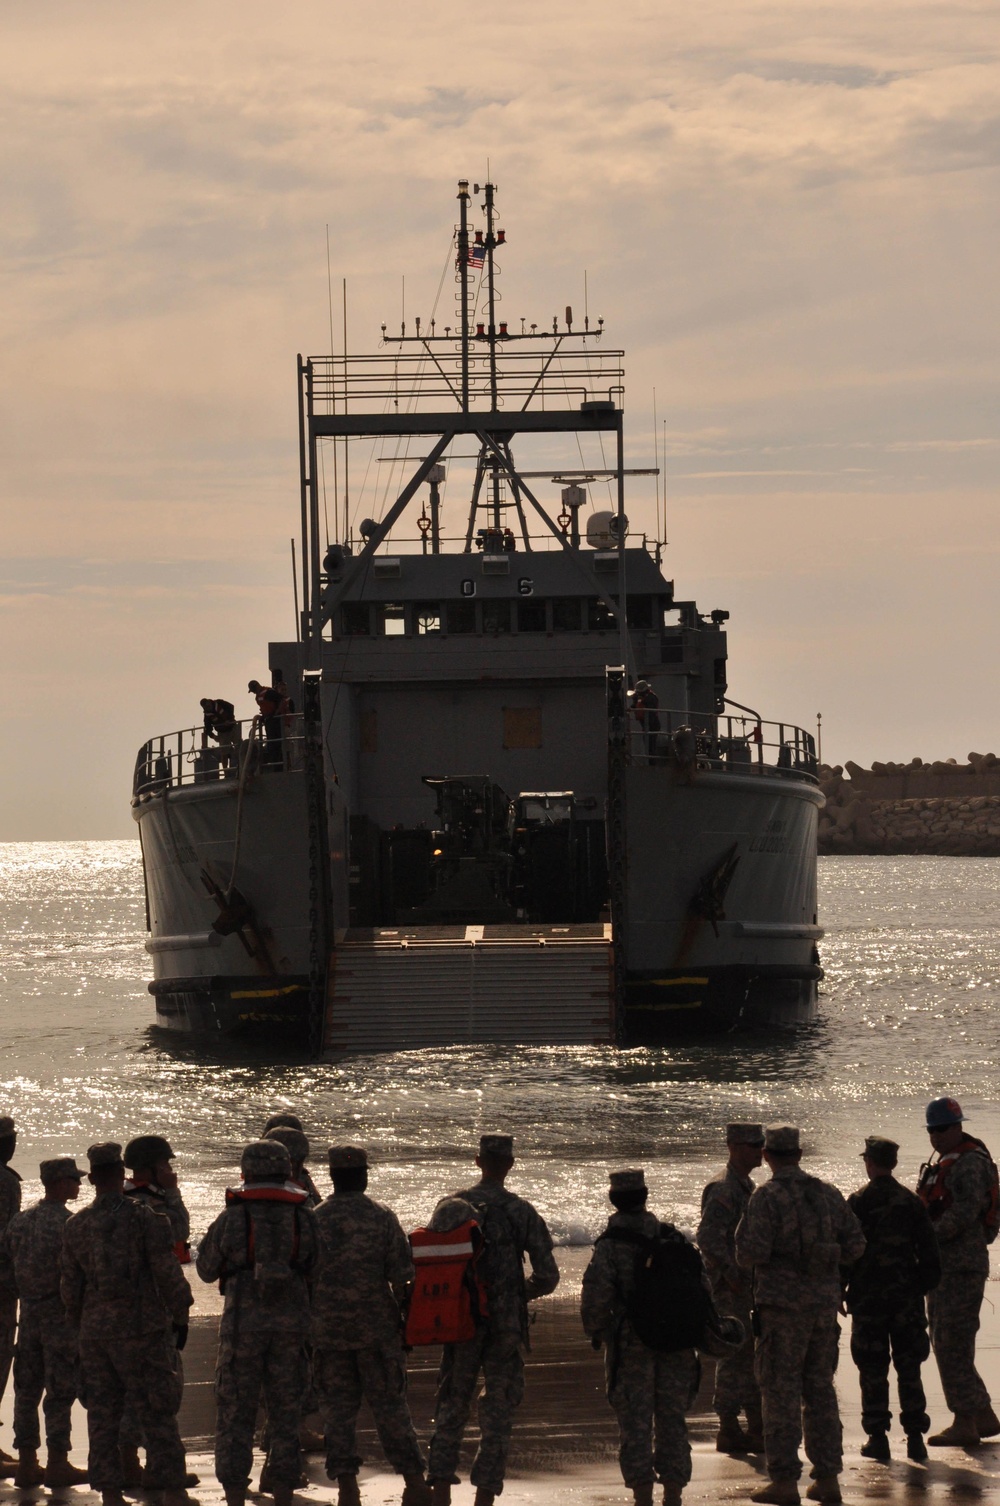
[531, 617]
[639, 611]
[356, 620]
[428, 615]
[600, 618]
[393, 619]
[496, 616]
[566, 615]
[460, 616]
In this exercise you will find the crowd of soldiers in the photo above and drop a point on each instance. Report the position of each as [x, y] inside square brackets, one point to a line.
[316, 1291]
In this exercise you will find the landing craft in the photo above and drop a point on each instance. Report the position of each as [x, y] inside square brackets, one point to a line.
[502, 795]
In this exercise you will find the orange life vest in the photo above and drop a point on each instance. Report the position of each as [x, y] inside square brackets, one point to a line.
[936, 1195]
[449, 1297]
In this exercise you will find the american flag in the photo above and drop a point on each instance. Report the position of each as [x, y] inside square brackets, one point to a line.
[476, 255]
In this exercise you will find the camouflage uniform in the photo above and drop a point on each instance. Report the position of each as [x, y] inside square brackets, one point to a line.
[122, 1290]
[512, 1228]
[649, 1392]
[10, 1204]
[168, 1202]
[357, 1349]
[795, 1235]
[885, 1297]
[45, 1360]
[723, 1204]
[264, 1332]
[953, 1307]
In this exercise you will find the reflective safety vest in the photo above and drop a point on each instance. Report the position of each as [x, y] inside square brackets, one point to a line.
[937, 1196]
[448, 1304]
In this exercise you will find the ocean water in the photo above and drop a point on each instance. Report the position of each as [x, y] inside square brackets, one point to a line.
[910, 1010]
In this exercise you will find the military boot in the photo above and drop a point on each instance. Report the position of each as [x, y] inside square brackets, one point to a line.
[235, 1496]
[778, 1493]
[877, 1447]
[131, 1466]
[148, 1480]
[988, 1423]
[755, 1430]
[283, 1495]
[8, 1464]
[441, 1492]
[916, 1448]
[112, 1498]
[348, 1490]
[825, 1488]
[730, 1438]
[963, 1433]
[642, 1495]
[29, 1472]
[672, 1493]
[416, 1491]
[486, 1497]
[59, 1472]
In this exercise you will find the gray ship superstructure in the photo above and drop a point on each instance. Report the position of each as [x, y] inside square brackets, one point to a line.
[477, 824]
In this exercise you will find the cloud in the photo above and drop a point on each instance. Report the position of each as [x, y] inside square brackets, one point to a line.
[787, 210]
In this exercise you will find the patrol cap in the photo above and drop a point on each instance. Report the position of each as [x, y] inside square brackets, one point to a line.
[281, 1121]
[347, 1157]
[781, 1138]
[633, 1180]
[146, 1150]
[7, 1126]
[294, 1141]
[497, 1145]
[880, 1150]
[744, 1134]
[944, 1111]
[266, 1158]
[106, 1154]
[59, 1167]
[642, 685]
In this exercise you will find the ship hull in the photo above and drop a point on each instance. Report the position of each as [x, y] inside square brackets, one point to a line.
[720, 902]
[747, 958]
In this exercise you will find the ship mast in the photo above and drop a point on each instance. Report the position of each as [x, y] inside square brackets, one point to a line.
[425, 387]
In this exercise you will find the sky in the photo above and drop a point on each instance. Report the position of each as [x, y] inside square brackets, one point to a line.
[787, 215]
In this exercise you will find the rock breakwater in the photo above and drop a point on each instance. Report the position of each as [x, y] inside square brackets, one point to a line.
[943, 808]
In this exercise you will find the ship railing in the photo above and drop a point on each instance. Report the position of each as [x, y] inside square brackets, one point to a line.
[431, 376]
[722, 743]
[271, 745]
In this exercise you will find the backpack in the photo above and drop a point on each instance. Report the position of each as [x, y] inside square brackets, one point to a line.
[274, 1267]
[669, 1307]
[448, 1302]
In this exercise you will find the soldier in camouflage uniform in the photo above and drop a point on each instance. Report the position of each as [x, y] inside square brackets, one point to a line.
[650, 1392]
[262, 1250]
[958, 1191]
[795, 1236]
[122, 1290]
[365, 1273]
[723, 1204]
[10, 1203]
[154, 1184]
[292, 1121]
[885, 1297]
[512, 1229]
[45, 1360]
